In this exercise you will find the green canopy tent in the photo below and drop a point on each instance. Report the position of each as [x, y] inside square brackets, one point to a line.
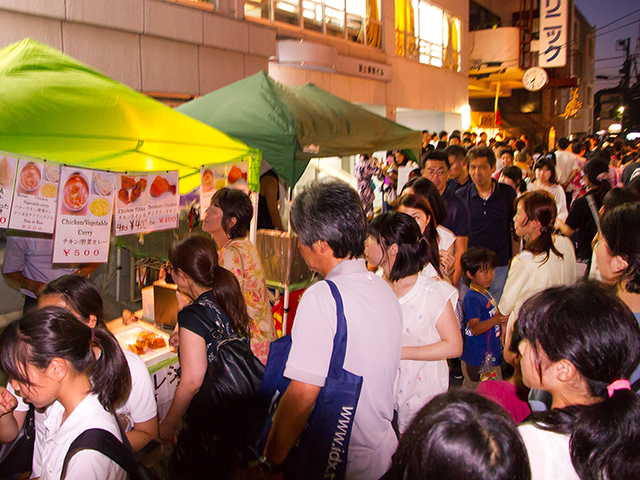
[56, 108]
[291, 125]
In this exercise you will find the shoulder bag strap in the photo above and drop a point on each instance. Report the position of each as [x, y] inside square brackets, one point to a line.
[594, 210]
[107, 444]
[340, 339]
[635, 386]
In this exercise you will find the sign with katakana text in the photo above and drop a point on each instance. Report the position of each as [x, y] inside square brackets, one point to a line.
[554, 36]
[83, 224]
[7, 179]
[146, 202]
[35, 196]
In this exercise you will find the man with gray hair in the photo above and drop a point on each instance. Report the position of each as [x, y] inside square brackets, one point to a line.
[330, 222]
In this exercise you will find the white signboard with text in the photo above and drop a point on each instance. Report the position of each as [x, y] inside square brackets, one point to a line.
[35, 194]
[553, 33]
[83, 224]
[146, 202]
[216, 176]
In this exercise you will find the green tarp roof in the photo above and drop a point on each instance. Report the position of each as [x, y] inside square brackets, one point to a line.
[291, 125]
[56, 108]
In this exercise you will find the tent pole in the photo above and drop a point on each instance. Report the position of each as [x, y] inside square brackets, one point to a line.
[253, 229]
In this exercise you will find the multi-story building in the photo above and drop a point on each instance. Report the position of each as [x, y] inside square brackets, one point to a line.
[405, 60]
[505, 41]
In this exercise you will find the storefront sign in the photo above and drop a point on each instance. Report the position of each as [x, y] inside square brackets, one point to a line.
[7, 179]
[364, 68]
[216, 176]
[83, 224]
[553, 33]
[35, 193]
[146, 203]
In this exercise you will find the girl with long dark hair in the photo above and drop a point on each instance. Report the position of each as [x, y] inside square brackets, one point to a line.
[139, 412]
[545, 172]
[547, 260]
[206, 444]
[79, 373]
[618, 254]
[581, 344]
[430, 330]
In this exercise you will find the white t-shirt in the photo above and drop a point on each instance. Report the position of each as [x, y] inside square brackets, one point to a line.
[374, 327]
[566, 162]
[139, 407]
[420, 381]
[558, 195]
[86, 464]
[446, 238]
[33, 257]
[549, 454]
[528, 276]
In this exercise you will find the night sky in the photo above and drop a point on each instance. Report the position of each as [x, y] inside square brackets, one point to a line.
[600, 13]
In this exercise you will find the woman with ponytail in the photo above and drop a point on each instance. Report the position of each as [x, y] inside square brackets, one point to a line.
[139, 413]
[547, 260]
[205, 446]
[430, 330]
[618, 255]
[79, 373]
[581, 344]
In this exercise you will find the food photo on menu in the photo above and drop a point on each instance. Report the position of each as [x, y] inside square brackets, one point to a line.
[6, 172]
[75, 195]
[133, 190]
[29, 178]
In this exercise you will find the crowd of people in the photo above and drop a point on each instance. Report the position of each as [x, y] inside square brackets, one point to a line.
[510, 268]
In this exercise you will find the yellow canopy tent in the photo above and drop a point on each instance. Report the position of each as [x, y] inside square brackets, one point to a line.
[56, 108]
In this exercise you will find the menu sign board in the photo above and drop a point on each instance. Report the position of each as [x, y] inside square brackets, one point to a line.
[146, 203]
[83, 224]
[7, 179]
[216, 176]
[34, 202]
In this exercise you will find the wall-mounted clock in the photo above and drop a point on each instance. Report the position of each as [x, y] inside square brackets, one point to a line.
[535, 79]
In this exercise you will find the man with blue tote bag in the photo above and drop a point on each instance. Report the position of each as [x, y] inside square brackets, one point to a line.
[346, 340]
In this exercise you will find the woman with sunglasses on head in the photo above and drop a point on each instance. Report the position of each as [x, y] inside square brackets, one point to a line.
[227, 220]
[208, 443]
[581, 344]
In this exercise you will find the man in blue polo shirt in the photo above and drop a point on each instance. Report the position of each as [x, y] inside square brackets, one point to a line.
[491, 210]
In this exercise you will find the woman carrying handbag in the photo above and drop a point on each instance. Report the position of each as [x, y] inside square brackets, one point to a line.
[220, 376]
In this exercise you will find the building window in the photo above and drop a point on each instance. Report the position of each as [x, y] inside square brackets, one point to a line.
[353, 20]
[427, 33]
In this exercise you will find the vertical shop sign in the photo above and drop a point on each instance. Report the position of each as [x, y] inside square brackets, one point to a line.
[553, 33]
[83, 224]
[7, 179]
[35, 193]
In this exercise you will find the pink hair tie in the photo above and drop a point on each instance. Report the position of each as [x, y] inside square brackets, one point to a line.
[618, 385]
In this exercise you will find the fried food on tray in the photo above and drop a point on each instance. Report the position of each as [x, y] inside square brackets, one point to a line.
[145, 341]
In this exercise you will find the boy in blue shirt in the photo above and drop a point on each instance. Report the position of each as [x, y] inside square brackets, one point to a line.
[482, 319]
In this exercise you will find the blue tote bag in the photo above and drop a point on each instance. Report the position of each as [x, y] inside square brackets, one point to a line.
[321, 450]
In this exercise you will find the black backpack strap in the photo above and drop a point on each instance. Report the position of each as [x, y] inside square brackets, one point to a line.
[635, 386]
[107, 444]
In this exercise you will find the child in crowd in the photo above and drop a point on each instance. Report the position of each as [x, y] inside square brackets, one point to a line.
[482, 318]
[511, 394]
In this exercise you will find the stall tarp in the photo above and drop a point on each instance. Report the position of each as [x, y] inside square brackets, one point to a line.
[291, 125]
[56, 108]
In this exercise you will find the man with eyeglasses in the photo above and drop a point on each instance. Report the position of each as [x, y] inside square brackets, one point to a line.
[436, 169]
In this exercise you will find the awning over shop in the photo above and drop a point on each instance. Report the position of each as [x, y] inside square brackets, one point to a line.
[291, 125]
[56, 108]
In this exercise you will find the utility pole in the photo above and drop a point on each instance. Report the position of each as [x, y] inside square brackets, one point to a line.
[623, 44]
